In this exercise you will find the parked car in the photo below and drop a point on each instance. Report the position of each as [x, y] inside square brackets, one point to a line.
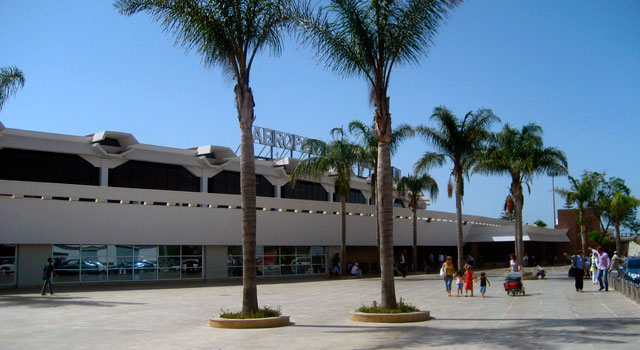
[631, 269]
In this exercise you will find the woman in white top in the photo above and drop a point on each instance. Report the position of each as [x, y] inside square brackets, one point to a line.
[513, 264]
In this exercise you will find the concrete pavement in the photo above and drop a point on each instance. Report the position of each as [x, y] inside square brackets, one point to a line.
[551, 316]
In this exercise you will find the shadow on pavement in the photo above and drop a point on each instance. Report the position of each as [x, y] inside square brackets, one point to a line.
[523, 334]
[48, 301]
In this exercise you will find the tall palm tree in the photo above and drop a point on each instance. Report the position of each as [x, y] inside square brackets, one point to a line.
[338, 159]
[621, 206]
[227, 34]
[521, 155]
[582, 192]
[11, 79]
[369, 146]
[459, 141]
[413, 186]
[368, 39]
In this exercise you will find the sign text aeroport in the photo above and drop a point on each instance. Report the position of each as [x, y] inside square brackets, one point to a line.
[278, 139]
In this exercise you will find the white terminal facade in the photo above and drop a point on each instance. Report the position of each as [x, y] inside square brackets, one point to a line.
[108, 208]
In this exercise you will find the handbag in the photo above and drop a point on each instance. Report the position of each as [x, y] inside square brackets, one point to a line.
[572, 271]
[442, 271]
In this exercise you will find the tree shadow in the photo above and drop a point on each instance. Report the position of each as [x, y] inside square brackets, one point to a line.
[521, 333]
[47, 301]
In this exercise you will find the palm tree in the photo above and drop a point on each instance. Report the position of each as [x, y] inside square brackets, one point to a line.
[621, 206]
[459, 141]
[369, 147]
[227, 34]
[582, 192]
[368, 39]
[338, 159]
[521, 155]
[413, 186]
[11, 79]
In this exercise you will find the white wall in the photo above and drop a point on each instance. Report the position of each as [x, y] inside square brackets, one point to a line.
[45, 220]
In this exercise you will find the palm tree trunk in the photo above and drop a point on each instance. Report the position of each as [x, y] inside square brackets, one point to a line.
[385, 198]
[518, 201]
[244, 100]
[459, 184]
[343, 245]
[583, 230]
[415, 239]
[374, 186]
[618, 241]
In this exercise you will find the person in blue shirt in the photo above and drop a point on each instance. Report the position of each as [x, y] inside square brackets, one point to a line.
[47, 273]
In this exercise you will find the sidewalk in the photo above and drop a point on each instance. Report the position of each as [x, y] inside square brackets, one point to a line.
[551, 316]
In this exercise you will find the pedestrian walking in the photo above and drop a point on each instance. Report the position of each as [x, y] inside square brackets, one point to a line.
[403, 264]
[483, 283]
[447, 271]
[603, 268]
[469, 277]
[513, 264]
[47, 273]
[594, 269]
[577, 264]
[460, 281]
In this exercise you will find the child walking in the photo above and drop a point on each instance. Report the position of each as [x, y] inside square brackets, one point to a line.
[483, 283]
[459, 281]
[468, 280]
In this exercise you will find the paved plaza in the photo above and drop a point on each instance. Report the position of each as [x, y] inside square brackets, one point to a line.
[551, 316]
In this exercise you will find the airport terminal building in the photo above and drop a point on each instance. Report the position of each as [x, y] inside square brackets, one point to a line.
[108, 208]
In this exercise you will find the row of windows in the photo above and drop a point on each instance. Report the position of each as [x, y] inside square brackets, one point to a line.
[75, 263]
[228, 182]
[22, 165]
[280, 260]
[355, 196]
[8, 264]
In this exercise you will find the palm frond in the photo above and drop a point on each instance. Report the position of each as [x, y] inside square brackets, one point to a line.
[11, 79]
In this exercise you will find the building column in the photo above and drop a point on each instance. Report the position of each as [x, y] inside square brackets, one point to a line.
[104, 176]
[330, 199]
[278, 185]
[204, 184]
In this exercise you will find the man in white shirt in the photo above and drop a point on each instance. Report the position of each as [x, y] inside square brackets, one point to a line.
[356, 270]
[603, 267]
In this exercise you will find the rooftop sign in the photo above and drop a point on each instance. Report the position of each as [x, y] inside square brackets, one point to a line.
[278, 139]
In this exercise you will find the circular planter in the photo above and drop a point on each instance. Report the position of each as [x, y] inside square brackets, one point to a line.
[268, 322]
[418, 316]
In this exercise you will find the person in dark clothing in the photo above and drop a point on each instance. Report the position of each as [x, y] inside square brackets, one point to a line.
[403, 264]
[577, 263]
[47, 273]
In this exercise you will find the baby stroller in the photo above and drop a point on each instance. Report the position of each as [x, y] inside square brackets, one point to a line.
[513, 283]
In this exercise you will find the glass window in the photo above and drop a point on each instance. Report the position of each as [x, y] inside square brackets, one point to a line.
[234, 250]
[304, 250]
[7, 264]
[288, 250]
[169, 250]
[156, 176]
[66, 262]
[192, 267]
[191, 250]
[284, 260]
[23, 165]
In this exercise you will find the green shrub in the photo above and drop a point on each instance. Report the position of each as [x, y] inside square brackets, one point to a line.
[377, 309]
[262, 313]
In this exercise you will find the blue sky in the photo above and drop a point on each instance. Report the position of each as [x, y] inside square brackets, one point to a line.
[570, 66]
